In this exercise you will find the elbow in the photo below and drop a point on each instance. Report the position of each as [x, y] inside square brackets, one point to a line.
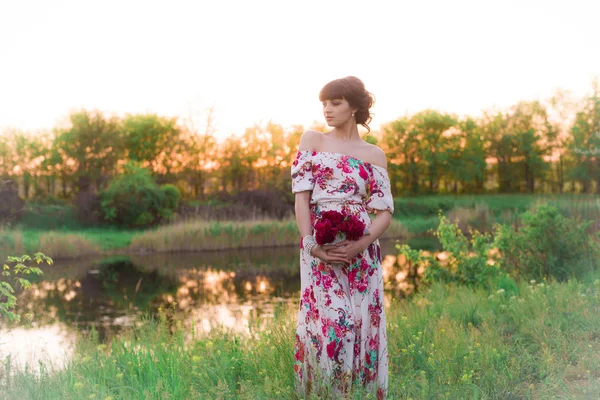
[302, 200]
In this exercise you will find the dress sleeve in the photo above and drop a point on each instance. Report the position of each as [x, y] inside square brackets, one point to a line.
[302, 177]
[379, 195]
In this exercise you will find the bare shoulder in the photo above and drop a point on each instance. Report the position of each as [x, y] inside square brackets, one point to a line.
[310, 140]
[377, 156]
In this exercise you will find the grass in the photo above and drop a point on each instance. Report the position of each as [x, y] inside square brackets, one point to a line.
[521, 340]
[201, 235]
[56, 227]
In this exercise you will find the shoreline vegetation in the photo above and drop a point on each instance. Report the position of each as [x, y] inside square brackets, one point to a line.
[518, 340]
[513, 314]
[54, 230]
[187, 236]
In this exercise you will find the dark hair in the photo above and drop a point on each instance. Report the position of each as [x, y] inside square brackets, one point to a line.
[353, 91]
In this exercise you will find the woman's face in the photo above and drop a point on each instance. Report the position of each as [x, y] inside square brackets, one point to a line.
[337, 111]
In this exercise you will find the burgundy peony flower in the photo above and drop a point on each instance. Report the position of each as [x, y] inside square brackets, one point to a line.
[335, 217]
[325, 232]
[353, 227]
[333, 222]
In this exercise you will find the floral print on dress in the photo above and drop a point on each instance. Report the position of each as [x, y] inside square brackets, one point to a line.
[340, 336]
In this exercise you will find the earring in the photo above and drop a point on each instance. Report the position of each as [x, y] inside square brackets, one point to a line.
[353, 114]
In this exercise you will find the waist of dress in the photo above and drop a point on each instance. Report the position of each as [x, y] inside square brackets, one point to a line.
[337, 202]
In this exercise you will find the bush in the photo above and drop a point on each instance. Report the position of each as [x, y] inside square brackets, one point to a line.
[547, 245]
[133, 199]
[466, 261]
[172, 196]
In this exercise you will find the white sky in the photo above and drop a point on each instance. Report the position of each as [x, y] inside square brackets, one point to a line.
[267, 60]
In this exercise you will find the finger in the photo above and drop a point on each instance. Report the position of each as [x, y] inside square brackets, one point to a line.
[342, 243]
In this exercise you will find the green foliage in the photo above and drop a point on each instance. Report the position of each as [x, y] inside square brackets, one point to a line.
[15, 269]
[93, 145]
[133, 199]
[547, 245]
[467, 261]
[172, 196]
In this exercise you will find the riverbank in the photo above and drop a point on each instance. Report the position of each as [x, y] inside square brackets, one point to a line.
[54, 229]
[186, 236]
[519, 340]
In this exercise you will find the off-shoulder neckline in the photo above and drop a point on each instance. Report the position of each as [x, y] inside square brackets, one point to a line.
[346, 155]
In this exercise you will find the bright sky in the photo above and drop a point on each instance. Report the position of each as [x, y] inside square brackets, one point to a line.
[256, 60]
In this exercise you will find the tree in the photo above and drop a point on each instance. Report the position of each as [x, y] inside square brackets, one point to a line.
[93, 145]
[432, 126]
[584, 145]
[533, 137]
[154, 142]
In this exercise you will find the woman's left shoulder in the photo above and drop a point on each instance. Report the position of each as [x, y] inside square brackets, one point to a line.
[377, 156]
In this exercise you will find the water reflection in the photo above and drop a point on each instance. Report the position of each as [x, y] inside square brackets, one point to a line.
[49, 347]
[234, 289]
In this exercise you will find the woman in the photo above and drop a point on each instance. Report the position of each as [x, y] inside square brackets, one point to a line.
[340, 337]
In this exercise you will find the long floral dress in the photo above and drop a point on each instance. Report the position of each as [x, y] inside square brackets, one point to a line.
[341, 337]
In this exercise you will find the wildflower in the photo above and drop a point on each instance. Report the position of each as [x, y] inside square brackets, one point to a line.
[209, 344]
[78, 385]
[196, 359]
[532, 281]
[500, 291]
[119, 376]
[108, 398]
[92, 396]
[101, 347]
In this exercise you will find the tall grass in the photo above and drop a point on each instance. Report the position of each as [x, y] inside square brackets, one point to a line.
[522, 340]
[203, 235]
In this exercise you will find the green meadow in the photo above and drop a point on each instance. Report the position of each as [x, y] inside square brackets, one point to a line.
[519, 340]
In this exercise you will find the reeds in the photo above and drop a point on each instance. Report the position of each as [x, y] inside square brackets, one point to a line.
[203, 236]
[67, 245]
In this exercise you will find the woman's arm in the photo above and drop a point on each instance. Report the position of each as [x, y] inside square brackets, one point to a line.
[302, 210]
[309, 141]
[302, 200]
[378, 227]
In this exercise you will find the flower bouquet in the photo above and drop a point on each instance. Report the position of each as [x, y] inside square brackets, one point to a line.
[333, 227]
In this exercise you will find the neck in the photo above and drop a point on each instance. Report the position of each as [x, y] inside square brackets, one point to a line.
[346, 132]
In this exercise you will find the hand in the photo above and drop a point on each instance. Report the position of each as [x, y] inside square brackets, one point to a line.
[322, 252]
[347, 249]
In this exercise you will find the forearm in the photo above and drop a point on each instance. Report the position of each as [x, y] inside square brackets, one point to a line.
[377, 228]
[302, 209]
